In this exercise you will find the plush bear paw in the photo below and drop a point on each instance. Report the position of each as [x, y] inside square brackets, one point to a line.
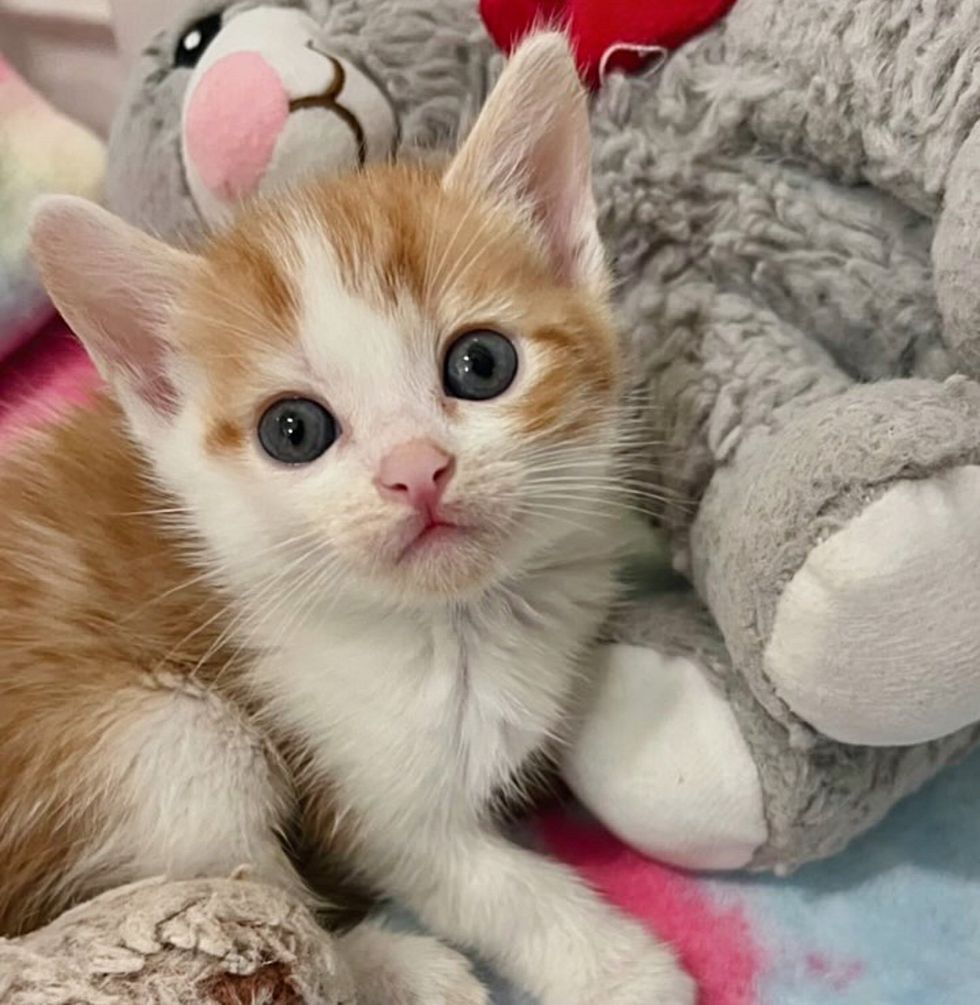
[660, 760]
[876, 639]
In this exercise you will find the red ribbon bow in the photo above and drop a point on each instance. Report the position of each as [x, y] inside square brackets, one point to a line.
[606, 34]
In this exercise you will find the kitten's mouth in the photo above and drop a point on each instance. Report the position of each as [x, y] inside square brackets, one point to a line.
[433, 532]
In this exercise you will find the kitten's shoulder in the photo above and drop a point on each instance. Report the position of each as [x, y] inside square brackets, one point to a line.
[89, 542]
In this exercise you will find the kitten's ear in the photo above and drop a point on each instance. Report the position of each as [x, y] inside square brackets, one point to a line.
[116, 288]
[531, 147]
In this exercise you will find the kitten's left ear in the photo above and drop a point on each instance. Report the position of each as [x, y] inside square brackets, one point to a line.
[531, 147]
[116, 287]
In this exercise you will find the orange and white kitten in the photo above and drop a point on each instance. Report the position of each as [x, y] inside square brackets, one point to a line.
[323, 550]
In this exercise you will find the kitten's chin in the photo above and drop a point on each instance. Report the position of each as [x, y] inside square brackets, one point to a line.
[438, 561]
[447, 562]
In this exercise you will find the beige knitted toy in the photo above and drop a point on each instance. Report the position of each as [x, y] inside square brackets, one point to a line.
[222, 941]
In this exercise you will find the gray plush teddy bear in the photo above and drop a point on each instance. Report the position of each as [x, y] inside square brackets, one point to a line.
[790, 206]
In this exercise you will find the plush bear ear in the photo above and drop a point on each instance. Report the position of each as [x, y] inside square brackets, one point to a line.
[531, 147]
[117, 288]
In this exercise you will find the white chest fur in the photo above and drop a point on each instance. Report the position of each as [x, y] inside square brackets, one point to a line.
[425, 715]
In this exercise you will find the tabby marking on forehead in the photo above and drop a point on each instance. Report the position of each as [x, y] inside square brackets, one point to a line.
[394, 235]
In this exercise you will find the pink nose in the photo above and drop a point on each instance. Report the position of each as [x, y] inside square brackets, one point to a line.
[233, 122]
[417, 473]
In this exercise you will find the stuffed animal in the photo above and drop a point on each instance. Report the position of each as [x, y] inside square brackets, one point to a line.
[790, 206]
[221, 941]
[238, 98]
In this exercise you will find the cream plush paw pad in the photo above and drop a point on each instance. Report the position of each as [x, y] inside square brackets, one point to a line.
[662, 762]
[876, 639]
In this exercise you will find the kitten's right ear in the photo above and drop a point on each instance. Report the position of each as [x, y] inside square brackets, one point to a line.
[530, 147]
[116, 287]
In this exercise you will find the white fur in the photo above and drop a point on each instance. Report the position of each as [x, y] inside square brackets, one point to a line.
[196, 792]
[394, 969]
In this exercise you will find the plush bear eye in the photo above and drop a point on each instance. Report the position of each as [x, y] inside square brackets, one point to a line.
[194, 42]
[296, 430]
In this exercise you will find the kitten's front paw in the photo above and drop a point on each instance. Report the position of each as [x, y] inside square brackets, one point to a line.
[435, 975]
[633, 969]
[656, 979]
[395, 969]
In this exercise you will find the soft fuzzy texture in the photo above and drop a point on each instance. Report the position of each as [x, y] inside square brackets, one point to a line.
[765, 290]
[769, 197]
[433, 58]
[214, 941]
[41, 151]
[180, 718]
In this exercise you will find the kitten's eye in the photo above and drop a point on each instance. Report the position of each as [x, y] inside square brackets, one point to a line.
[479, 365]
[296, 430]
[194, 42]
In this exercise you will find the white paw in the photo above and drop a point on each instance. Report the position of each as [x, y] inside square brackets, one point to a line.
[662, 763]
[647, 976]
[434, 974]
[876, 639]
[649, 982]
[394, 969]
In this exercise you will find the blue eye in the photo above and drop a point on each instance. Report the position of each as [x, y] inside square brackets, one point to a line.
[296, 430]
[479, 365]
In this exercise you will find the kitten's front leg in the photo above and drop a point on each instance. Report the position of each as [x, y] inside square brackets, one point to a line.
[394, 969]
[537, 922]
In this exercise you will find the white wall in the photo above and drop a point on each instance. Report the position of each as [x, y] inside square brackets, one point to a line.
[136, 20]
[67, 48]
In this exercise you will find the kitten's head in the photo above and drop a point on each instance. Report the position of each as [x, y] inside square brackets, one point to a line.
[405, 380]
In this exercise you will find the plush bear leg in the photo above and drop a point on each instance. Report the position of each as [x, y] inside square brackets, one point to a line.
[660, 757]
[840, 555]
[190, 942]
[677, 757]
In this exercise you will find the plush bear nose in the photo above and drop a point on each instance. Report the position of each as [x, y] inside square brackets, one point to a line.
[417, 473]
[233, 121]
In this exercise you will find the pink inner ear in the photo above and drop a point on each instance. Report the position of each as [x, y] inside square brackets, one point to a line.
[142, 363]
[233, 123]
[562, 192]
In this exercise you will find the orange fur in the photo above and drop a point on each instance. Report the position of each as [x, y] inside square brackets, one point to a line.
[379, 666]
[85, 620]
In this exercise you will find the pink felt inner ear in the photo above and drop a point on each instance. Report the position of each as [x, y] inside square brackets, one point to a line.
[233, 122]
